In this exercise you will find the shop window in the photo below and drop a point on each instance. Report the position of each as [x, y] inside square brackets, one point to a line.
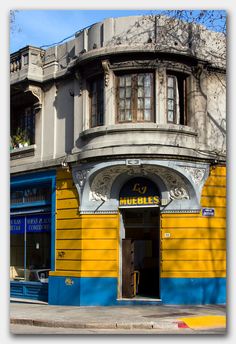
[23, 128]
[97, 102]
[177, 98]
[135, 98]
[29, 195]
[30, 242]
[30, 233]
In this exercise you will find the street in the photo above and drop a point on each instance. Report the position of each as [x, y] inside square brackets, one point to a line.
[27, 329]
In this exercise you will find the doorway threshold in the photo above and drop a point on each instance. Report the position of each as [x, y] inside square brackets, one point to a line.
[139, 300]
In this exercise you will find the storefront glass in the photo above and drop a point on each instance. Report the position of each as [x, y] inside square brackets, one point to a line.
[30, 236]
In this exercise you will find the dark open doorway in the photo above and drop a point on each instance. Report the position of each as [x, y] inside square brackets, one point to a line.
[140, 253]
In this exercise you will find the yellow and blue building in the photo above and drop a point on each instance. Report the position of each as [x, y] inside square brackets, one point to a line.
[118, 167]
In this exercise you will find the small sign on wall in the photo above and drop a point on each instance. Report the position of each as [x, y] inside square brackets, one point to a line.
[208, 212]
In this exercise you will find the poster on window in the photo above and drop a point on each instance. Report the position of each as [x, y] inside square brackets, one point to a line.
[34, 223]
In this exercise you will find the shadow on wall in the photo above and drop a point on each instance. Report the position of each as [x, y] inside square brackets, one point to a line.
[64, 104]
[193, 291]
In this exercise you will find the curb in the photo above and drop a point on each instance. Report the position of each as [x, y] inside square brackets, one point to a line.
[94, 325]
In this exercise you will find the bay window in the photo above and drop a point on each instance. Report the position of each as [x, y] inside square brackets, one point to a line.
[135, 94]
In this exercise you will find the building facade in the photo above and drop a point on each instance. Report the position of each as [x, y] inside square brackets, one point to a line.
[118, 166]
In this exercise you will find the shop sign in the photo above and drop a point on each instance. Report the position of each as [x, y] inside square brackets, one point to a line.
[208, 212]
[34, 223]
[139, 192]
[151, 200]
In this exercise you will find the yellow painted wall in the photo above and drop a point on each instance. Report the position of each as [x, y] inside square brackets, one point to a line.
[193, 245]
[86, 245]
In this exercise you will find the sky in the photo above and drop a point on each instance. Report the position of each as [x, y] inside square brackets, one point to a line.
[57, 25]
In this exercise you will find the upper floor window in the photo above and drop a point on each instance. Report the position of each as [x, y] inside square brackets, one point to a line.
[177, 98]
[23, 128]
[97, 102]
[135, 98]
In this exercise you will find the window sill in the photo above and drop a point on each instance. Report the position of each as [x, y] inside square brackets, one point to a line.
[23, 152]
[104, 130]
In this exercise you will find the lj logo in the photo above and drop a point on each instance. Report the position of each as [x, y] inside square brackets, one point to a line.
[140, 189]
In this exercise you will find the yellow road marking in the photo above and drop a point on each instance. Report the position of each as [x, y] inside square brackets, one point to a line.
[205, 321]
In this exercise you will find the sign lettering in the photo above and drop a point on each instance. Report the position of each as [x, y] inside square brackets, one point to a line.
[34, 223]
[208, 212]
[151, 200]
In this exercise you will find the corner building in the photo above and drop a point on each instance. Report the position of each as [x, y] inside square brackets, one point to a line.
[119, 194]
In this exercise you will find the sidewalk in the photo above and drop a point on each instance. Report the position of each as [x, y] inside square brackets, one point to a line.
[122, 317]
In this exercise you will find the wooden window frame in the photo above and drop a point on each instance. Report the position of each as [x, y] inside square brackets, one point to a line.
[99, 119]
[181, 84]
[134, 97]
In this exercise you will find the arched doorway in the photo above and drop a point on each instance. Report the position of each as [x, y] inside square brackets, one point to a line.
[139, 201]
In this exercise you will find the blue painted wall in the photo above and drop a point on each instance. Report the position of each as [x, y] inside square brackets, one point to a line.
[193, 291]
[86, 291]
[103, 291]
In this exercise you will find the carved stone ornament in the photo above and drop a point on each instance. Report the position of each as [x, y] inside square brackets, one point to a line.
[36, 91]
[81, 177]
[178, 193]
[197, 174]
[102, 183]
[106, 68]
[175, 185]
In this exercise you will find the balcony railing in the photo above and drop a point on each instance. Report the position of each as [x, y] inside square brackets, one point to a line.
[26, 60]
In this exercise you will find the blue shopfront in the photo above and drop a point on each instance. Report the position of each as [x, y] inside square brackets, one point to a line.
[32, 234]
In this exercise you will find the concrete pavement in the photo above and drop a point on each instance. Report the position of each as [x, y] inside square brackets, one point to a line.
[119, 317]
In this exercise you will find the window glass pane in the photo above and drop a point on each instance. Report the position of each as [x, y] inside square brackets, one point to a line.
[147, 80]
[30, 194]
[30, 239]
[170, 93]
[17, 254]
[97, 102]
[122, 81]
[127, 115]
[128, 92]
[128, 80]
[127, 104]
[140, 103]
[140, 115]
[122, 115]
[147, 92]
[170, 104]
[170, 81]
[122, 93]
[147, 103]
[122, 104]
[140, 79]
[147, 115]
[140, 92]
[170, 116]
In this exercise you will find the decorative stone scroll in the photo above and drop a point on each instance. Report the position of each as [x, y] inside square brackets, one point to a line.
[106, 68]
[36, 91]
[102, 183]
[197, 174]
